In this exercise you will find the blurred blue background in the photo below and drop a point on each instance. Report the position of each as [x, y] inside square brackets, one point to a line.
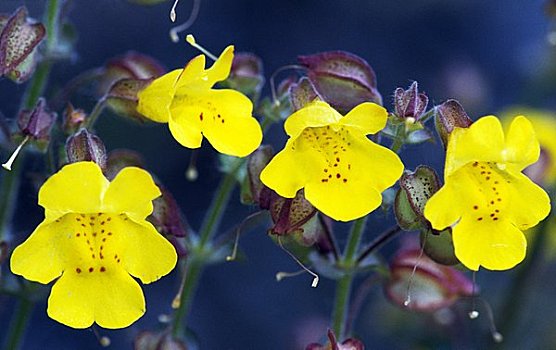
[487, 54]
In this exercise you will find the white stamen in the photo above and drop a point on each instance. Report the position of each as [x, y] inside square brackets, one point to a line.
[411, 277]
[232, 256]
[315, 281]
[473, 314]
[173, 11]
[9, 163]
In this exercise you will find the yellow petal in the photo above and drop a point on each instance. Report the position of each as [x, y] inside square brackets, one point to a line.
[522, 147]
[224, 118]
[184, 128]
[131, 192]
[193, 75]
[482, 141]
[155, 100]
[221, 68]
[40, 258]
[495, 245]
[77, 188]
[290, 169]
[145, 253]
[368, 117]
[112, 299]
[530, 203]
[315, 114]
[442, 209]
[342, 203]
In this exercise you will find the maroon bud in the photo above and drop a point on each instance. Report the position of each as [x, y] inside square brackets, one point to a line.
[121, 158]
[85, 146]
[73, 119]
[415, 190]
[168, 219]
[122, 97]
[252, 185]
[450, 115]
[419, 284]
[132, 65]
[342, 79]
[246, 74]
[348, 344]
[18, 39]
[410, 103]
[38, 122]
[302, 93]
[147, 340]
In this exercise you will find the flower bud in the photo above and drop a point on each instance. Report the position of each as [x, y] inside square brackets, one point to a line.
[342, 79]
[168, 219]
[147, 340]
[132, 65]
[252, 185]
[246, 75]
[415, 190]
[302, 93]
[121, 158]
[85, 146]
[73, 119]
[410, 103]
[122, 97]
[450, 115]
[19, 37]
[37, 123]
[288, 214]
[430, 287]
[348, 344]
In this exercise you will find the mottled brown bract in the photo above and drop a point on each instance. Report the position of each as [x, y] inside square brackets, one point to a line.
[342, 79]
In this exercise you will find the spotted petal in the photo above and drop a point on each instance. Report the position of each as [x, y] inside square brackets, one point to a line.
[290, 169]
[77, 187]
[222, 116]
[112, 299]
[145, 253]
[482, 141]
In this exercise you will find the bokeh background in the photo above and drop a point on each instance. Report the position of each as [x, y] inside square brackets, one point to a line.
[487, 54]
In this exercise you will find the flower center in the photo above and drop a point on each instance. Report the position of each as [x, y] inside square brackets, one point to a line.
[92, 242]
[490, 199]
[332, 145]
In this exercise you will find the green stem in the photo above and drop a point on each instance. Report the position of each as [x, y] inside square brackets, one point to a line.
[197, 257]
[18, 324]
[344, 284]
[37, 85]
[52, 16]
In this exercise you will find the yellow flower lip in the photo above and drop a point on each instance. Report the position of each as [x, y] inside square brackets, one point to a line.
[486, 199]
[184, 99]
[93, 241]
[329, 155]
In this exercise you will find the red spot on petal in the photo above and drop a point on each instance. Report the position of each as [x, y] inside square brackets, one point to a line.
[91, 269]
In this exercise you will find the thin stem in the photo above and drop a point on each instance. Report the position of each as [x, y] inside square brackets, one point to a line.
[378, 242]
[344, 284]
[37, 85]
[95, 113]
[18, 324]
[53, 8]
[194, 267]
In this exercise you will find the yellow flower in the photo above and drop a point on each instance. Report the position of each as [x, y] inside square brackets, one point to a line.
[184, 99]
[544, 123]
[94, 236]
[342, 171]
[486, 198]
